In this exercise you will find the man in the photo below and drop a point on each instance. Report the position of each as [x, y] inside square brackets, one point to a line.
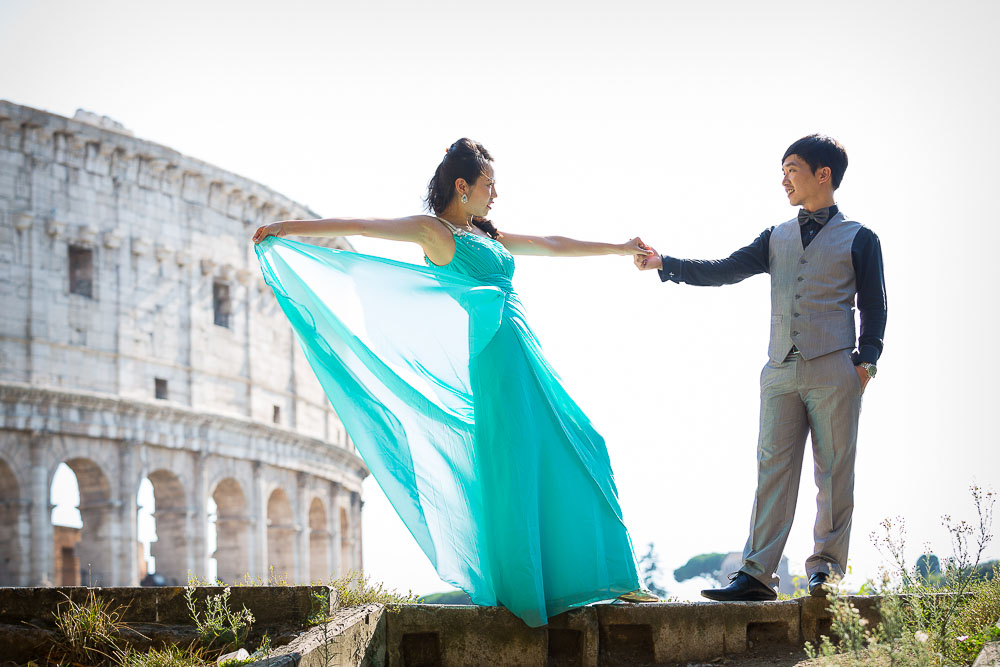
[819, 262]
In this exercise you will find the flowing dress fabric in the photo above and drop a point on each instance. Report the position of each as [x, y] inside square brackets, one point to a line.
[444, 390]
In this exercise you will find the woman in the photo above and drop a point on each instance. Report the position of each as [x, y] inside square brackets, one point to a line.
[443, 388]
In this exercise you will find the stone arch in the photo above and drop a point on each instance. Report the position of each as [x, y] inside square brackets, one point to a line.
[232, 526]
[95, 550]
[11, 517]
[319, 542]
[280, 535]
[346, 562]
[170, 514]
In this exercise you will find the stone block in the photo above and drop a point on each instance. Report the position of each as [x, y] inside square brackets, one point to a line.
[462, 635]
[693, 631]
[573, 638]
[817, 619]
[20, 643]
[352, 636]
[989, 656]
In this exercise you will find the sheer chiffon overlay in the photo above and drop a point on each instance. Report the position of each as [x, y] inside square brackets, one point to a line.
[444, 390]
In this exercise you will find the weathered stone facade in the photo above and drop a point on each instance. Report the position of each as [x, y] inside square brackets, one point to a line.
[137, 339]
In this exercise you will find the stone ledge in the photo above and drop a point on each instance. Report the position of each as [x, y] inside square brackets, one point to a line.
[603, 634]
[270, 605]
[607, 634]
[57, 410]
[352, 636]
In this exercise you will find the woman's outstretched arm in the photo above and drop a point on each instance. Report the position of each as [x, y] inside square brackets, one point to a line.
[425, 231]
[561, 246]
[413, 228]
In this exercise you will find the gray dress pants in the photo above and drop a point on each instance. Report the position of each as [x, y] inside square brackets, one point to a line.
[821, 397]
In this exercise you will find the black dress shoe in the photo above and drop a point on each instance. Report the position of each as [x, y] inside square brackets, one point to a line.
[817, 584]
[742, 588]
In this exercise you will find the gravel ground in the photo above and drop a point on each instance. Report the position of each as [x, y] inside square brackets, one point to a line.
[780, 656]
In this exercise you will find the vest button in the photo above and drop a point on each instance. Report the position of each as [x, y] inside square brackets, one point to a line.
[798, 296]
[800, 278]
[802, 261]
[796, 314]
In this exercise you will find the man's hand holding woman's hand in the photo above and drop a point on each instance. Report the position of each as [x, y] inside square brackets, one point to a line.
[273, 229]
[649, 260]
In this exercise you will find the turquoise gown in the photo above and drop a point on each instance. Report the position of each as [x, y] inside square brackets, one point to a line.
[444, 390]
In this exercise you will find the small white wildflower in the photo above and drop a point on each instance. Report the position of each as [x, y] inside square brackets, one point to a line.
[863, 622]
[920, 636]
[962, 638]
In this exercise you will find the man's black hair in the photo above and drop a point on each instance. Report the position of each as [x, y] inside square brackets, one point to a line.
[819, 150]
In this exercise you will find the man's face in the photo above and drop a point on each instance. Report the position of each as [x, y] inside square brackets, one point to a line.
[800, 183]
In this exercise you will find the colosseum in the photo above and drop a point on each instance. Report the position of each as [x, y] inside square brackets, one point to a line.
[138, 341]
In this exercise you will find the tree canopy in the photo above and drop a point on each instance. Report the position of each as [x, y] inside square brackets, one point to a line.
[700, 565]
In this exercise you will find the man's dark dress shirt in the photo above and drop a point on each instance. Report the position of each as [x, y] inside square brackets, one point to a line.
[866, 256]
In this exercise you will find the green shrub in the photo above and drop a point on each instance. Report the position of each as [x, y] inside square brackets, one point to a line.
[926, 618]
[354, 589]
[699, 566]
[219, 626]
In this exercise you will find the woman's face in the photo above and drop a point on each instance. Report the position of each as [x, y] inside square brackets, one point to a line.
[482, 193]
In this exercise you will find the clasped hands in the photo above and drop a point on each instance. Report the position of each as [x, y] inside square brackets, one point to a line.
[648, 260]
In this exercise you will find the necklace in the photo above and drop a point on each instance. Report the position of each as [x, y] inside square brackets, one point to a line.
[466, 228]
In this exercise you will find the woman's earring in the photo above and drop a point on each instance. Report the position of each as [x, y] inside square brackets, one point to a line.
[465, 199]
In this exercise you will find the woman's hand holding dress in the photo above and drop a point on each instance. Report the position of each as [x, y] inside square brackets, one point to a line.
[273, 229]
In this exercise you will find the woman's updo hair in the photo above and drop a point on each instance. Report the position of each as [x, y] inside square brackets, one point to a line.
[465, 159]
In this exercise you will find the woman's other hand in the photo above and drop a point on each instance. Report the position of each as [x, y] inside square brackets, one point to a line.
[636, 247]
[273, 229]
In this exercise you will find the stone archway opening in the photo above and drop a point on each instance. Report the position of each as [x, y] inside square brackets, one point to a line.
[280, 536]
[84, 551]
[145, 505]
[232, 531]
[11, 528]
[66, 525]
[319, 542]
[169, 546]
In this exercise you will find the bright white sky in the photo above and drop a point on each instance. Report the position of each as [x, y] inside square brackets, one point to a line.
[608, 120]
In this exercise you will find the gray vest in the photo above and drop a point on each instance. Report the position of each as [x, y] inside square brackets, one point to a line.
[812, 290]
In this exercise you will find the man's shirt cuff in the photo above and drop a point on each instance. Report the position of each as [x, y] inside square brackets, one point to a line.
[867, 353]
[671, 269]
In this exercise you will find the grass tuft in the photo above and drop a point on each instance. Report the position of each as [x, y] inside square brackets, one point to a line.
[88, 632]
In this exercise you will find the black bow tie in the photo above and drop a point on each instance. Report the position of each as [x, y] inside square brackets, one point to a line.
[820, 216]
